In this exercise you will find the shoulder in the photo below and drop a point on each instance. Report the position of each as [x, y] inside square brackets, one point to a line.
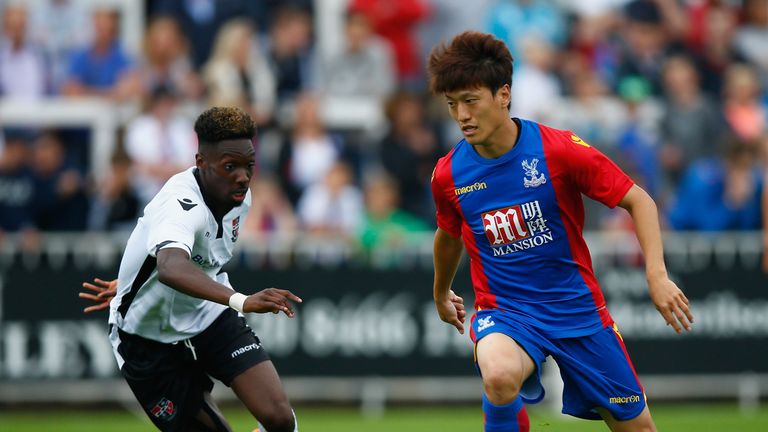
[181, 188]
[442, 171]
[557, 138]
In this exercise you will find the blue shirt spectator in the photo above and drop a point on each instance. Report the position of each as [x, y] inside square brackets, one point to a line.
[103, 70]
[17, 186]
[719, 195]
[514, 20]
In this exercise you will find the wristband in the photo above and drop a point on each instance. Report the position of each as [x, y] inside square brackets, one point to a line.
[237, 300]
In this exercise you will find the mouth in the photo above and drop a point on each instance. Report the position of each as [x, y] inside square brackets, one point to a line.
[469, 130]
[239, 195]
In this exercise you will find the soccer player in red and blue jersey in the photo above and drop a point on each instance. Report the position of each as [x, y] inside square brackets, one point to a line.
[510, 193]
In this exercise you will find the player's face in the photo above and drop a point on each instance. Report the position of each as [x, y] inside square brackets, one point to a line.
[478, 112]
[226, 170]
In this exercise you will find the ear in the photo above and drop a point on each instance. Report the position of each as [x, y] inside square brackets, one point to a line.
[503, 95]
[200, 161]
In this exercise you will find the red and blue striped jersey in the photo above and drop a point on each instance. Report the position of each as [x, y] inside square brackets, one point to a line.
[521, 218]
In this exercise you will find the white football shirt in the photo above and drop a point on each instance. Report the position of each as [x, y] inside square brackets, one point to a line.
[177, 217]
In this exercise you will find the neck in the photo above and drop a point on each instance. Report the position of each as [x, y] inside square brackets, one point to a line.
[218, 209]
[501, 141]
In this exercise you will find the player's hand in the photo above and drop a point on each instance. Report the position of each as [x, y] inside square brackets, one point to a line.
[671, 303]
[104, 290]
[271, 300]
[451, 310]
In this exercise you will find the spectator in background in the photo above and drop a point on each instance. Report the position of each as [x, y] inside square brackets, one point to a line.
[397, 22]
[720, 194]
[751, 38]
[61, 27]
[409, 152]
[61, 202]
[637, 148]
[646, 43]
[515, 20]
[744, 112]
[115, 205]
[385, 225]
[160, 142]
[691, 127]
[536, 92]
[200, 20]
[23, 70]
[290, 54]
[710, 39]
[17, 185]
[103, 68]
[364, 68]
[593, 112]
[271, 213]
[239, 75]
[309, 150]
[166, 60]
[333, 206]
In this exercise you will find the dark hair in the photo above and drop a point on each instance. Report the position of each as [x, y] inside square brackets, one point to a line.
[471, 59]
[223, 123]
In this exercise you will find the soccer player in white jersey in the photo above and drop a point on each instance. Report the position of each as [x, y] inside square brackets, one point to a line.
[170, 327]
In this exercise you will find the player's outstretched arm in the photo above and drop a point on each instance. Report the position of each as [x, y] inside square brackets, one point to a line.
[447, 253]
[665, 294]
[176, 270]
[104, 292]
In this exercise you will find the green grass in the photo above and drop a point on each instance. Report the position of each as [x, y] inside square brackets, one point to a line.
[675, 418]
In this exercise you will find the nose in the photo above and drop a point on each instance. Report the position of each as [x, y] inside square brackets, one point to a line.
[243, 176]
[462, 113]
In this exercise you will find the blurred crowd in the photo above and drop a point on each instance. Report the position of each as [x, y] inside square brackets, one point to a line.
[675, 91]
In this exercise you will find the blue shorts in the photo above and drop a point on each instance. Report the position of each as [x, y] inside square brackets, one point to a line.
[596, 368]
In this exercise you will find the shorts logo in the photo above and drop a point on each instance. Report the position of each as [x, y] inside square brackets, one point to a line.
[237, 352]
[484, 323]
[235, 228]
[163, 410]
[535, 179]
[624, 399]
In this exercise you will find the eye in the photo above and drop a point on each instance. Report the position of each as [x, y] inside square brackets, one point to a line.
[251, 165]
[471, 100]
[451, 104]
[229, 167]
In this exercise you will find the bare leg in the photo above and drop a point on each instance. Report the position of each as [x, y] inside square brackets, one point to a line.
[259, 388]
[209, 418]
[641, 423]
[504, 366]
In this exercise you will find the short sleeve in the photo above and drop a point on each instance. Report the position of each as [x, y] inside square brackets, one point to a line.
[448, 217]
[174, 224]
[595, 175]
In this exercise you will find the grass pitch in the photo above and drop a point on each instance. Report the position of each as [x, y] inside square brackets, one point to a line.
[675, 418]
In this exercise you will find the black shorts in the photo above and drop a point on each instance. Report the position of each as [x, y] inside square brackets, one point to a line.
[169, 380]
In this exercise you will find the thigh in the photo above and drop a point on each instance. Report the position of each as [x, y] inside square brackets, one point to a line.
[168, 384]
[260, 389]
[642, 422]
[598, 376]
[509, 348]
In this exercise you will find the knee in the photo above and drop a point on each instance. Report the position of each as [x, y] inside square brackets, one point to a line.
[501, 384]
[280, 419]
